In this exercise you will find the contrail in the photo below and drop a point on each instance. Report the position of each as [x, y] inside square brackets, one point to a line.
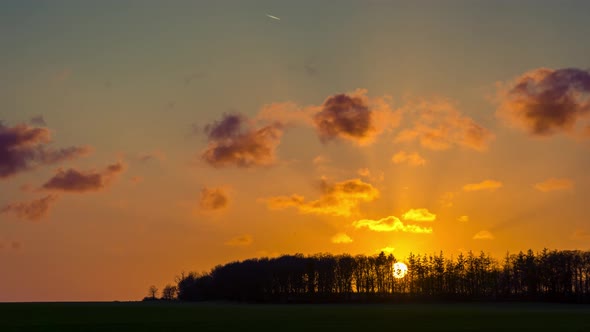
[273, 17]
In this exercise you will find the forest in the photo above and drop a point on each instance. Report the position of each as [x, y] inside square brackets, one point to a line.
[557, 276]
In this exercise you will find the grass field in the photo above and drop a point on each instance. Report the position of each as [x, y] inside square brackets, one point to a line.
[88, 317]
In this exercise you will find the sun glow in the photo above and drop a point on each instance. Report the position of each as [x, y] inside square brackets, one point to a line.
[400, 270]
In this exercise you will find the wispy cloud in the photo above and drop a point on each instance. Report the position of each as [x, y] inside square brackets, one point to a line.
[438, 125]
[390, 224]
[337, 199]
[412, 159]
[419, 215]
[33, 210]
[554, 184]
[483, 235]
[341, 238]
[240, 241]
[489, 185]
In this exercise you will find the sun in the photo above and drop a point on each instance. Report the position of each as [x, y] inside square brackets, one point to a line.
[399, 270]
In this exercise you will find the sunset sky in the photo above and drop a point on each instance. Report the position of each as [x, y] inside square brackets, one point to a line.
[140, 139]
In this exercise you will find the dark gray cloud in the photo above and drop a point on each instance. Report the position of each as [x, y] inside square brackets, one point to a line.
[72, 180]
[344, 116]
[545, 102]
[23, 147]
[235, 141]
[33, 210]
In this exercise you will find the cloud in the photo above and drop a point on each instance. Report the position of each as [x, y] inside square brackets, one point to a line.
[155, 155]
[490, 185]
[337, 199]
[390, 224]
[364, 172]
[33, 210]
[419, 215]
[554, 184]
[341, 238]
[439, 125]
[213, 199]
[23, 148]
[412, 159]
[446, 199]
[354, 117]
[240, 241]
[38, 120]
[387, 250]
[234, 141]
[483, 235]
[72, 180]
[544, 102]
[463, 219]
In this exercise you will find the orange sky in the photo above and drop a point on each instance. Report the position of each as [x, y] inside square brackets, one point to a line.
[175, 139]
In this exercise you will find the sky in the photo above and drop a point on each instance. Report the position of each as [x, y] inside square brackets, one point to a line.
[141, 139]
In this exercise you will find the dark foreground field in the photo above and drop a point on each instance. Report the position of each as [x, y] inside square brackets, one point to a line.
[114, 317]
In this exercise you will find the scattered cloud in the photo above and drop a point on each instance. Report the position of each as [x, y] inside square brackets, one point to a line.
[38, 120]
[446, 199]
[490, 185]
[438, 125]
[23, 147]
[240, 241]
[483, 235]
[341, 238]
[387, 250]
[545, 102]
[155, 155]
[235, 141]
[354, 117]
[364, 172]
[390, 224]
[554, 184]
[419, 215]
[72, 180]
[337, 199]
[463, 219]
[33, 210]
[320, 160]
[213, 199]
[412, 159]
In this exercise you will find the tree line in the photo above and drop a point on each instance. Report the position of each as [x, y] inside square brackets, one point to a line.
[558, 275]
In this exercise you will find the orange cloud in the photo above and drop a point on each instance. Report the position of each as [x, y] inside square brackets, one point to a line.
[341, 238]
[490, 185]
[544, 102]
[463, 219]
[337, 199]
[240, 241]
[412, 159]
[390, 224]
[446, 199]
[213, 199]
[33, 210]
[554, 184]
[483, 235]
[439, 126]
[419, 215]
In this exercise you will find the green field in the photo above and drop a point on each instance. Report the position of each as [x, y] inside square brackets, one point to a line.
[113, 317]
